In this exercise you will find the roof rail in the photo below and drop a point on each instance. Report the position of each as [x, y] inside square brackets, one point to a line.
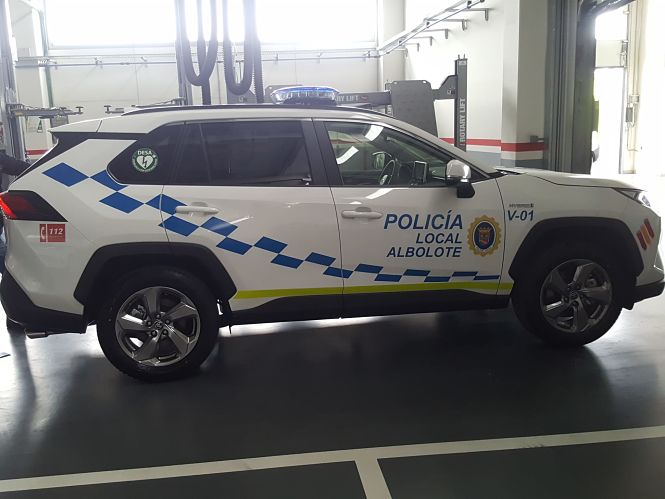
[161, 109]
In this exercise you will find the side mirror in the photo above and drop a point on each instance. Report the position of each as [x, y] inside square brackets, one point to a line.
[457, 171]
[458, 174]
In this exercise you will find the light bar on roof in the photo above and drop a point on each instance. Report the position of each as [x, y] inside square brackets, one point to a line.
[305, 95]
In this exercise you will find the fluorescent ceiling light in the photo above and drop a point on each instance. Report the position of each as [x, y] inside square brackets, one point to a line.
[373, 132]
[347, 155]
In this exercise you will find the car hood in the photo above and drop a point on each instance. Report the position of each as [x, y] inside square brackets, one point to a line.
[570, 178]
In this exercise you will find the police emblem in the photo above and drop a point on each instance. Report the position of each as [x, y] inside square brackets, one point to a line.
[484, 236]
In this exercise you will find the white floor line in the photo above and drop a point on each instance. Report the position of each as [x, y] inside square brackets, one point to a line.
[357, 455]
[374, 484]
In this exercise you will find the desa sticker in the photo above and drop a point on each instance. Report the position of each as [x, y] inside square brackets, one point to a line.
[145, 160]
[484, 236]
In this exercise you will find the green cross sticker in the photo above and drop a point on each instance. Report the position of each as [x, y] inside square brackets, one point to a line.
[145, 160]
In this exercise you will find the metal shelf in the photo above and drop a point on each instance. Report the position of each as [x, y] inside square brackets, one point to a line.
[448, 15]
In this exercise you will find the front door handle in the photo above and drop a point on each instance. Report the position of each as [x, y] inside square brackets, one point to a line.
[203, 210]
[370, 215]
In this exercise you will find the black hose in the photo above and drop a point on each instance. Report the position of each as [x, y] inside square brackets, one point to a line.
[248, 67]
[206, 97]
[206, 58]
[258, 73]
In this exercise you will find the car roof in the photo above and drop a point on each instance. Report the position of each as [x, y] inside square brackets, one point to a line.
[243, 107]
[145, 120]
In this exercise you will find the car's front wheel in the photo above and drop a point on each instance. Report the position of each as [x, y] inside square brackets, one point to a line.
[571, 294]
[159, 324]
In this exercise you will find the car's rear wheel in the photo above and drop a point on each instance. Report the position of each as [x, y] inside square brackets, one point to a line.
[159, 324]
[571, 294]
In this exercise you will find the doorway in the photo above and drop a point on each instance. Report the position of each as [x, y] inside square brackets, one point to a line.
[608, 140]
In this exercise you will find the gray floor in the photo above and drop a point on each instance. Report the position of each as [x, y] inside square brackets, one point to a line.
[329, 385]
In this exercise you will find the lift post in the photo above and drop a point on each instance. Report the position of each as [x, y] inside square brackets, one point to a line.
[13, 136]
[460, 103]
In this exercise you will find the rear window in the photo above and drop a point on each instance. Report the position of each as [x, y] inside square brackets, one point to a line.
[244, 153]
[150, 159]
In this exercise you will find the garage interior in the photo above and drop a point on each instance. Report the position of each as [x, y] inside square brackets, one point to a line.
[455, 404]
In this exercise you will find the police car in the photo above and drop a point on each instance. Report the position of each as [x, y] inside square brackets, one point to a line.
[162, 225]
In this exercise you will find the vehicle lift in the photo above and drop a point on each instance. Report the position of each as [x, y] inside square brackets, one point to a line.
[411, 101]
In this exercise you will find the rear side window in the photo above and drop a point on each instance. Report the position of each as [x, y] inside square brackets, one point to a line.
[149, 160]
[244, 153]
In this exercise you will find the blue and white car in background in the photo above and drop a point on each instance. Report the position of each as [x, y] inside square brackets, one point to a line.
[162, 225]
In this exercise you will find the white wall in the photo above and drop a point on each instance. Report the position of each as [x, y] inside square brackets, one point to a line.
[482, 43]
[390, 22]
[506, 74]
[121, 86]
[505, 78]
[93, 86]
[650, 127]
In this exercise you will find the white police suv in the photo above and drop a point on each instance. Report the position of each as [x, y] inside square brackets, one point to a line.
[162, 225]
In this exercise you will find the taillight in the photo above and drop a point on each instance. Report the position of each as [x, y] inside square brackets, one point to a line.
[27, 205]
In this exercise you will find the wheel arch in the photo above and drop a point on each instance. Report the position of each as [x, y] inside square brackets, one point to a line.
[103, 266]
[607, 232]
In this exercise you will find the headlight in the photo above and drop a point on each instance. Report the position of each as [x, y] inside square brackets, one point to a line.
[636, 195]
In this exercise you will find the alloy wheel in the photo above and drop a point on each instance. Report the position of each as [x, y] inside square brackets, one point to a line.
[576, 295]
[157, 326]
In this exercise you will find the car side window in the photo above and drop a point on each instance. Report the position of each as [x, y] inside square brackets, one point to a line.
[148, 160]
[193, 165]
[372, 154]
[244, 153]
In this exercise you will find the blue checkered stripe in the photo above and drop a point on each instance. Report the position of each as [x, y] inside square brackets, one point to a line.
[69, 176]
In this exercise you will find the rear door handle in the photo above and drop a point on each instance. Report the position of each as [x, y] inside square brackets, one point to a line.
[204, 210]
[371, 215]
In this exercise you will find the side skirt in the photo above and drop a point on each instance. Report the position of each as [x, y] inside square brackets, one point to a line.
[301, 308]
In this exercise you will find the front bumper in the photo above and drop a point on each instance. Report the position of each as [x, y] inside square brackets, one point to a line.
[20, 308]
[649, 290]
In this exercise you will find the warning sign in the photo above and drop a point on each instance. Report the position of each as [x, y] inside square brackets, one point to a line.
[52, 233]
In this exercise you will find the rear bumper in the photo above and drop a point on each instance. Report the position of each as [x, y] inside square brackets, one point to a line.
[20, 308]
[649, 290]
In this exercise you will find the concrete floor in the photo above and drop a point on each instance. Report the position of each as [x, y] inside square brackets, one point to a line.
[355, 384]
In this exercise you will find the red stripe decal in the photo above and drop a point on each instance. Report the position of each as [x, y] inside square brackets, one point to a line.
[523, 146]
[35, 152]
[647, 224]
[505, 146]
[642, 242]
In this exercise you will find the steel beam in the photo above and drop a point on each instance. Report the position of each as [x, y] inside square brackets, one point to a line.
[446, 15]
[13, 135]
[33, 4]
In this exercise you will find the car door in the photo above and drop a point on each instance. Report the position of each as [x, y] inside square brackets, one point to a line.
[409, 243]
[254, 192]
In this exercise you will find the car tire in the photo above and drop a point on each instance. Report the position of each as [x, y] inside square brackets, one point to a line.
[571, 294]
[158, 324]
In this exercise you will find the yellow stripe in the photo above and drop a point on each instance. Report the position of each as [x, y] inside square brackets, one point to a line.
[381, 288]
